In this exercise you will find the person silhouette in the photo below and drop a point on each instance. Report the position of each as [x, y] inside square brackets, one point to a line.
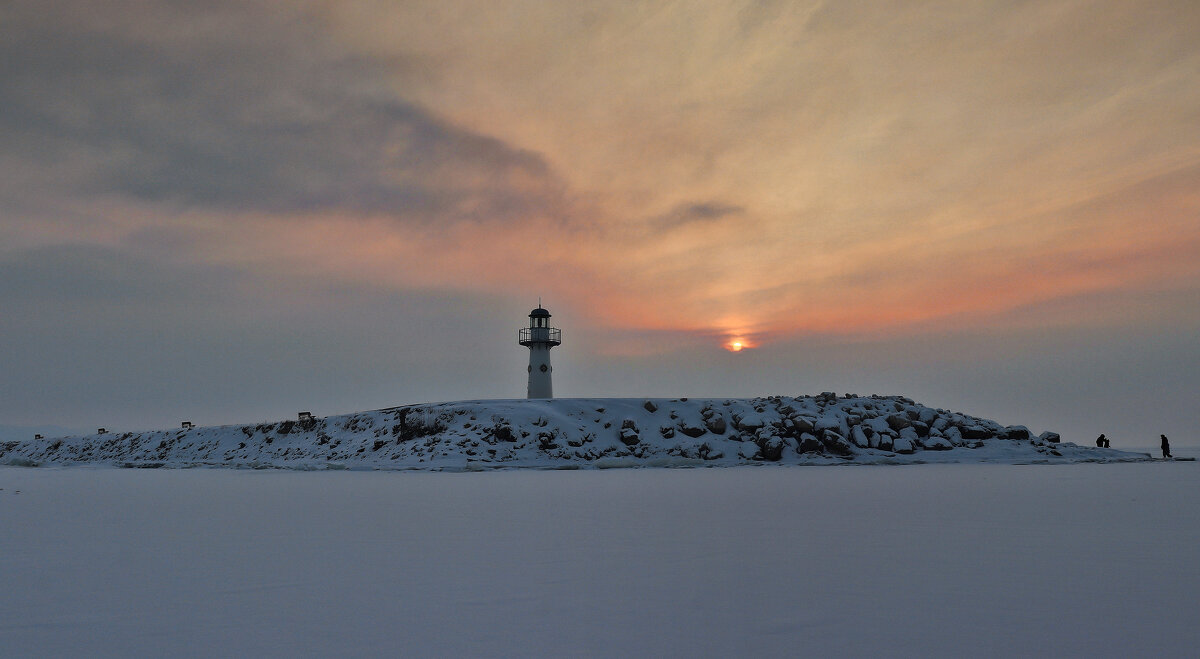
[1100, 441]
[1166, 446]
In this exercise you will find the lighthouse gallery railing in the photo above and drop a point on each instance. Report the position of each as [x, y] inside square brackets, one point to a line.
[528, 335]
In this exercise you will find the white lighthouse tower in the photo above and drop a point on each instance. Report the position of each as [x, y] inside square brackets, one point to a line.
[539, 337]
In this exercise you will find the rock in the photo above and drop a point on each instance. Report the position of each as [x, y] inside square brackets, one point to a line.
[1016, 432]
[690, 430]
[835, 443]
[953, 436]
[749, 422]
[666, 431]
[926, 415]
[770, 448]
[629, 432]
[707, 452]
[885, 442]
[902, 445]
[803, 424]
[809, 444]
[937, 444]
[859, 437]
[834, 422]
[1050, 437]
[878, 424]
[976, 432]
[898, 422]
[503, 432]
[650, 406]
[715, 423]
[921, 427]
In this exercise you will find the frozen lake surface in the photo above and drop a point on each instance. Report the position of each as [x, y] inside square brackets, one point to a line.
[942, 560]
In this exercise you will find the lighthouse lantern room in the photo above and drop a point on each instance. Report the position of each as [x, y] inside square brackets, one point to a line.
[539, 337]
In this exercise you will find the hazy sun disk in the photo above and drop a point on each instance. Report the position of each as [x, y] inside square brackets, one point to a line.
[738, 344]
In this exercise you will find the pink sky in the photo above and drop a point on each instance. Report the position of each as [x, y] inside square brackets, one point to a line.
[671, 177]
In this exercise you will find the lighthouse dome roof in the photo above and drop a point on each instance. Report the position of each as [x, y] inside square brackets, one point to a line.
[539, 312]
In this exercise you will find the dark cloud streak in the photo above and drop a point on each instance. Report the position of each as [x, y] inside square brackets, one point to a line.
[252, 112]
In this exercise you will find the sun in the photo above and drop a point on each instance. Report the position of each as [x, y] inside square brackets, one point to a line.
[738, 344]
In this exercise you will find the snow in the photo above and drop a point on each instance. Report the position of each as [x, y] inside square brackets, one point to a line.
[926, 560]
[583, 433]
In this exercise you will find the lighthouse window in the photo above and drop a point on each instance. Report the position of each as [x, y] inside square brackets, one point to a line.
[544, 369]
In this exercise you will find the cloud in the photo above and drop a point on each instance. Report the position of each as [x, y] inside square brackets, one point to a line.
[696, 212]
[249, 109]
[765, 169]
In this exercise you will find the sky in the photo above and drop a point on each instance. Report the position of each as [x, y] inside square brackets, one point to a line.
[232, 211]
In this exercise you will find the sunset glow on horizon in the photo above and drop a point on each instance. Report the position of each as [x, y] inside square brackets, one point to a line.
[678, 178]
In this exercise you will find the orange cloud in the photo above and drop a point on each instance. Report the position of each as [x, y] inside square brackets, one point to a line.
[732, 171]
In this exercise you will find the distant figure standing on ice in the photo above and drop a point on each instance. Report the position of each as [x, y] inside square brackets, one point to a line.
[1102, 441]
[1166, 446]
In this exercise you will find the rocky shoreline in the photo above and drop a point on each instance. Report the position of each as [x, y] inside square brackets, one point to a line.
[584, 433]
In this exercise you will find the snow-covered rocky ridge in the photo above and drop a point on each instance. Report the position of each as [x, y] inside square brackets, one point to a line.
[583, 433]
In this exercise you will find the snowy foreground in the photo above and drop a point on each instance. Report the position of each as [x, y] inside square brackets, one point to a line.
[1095, 560]
[581, 432]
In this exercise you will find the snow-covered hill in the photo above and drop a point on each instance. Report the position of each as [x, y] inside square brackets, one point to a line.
[584, 433]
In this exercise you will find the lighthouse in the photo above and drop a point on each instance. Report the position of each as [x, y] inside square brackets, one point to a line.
[539, 337]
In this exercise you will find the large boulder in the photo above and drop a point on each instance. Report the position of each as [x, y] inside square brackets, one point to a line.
[714, 421]
[835, 422]
[937, 444]
[898, 422]
[629, 433]
[748, 422]
[835, 443]
[1050, 437]
[770, 448]
[707, 452]
[976, 432]
[803, 424]
[903, 445]
[809, 444]
[859, 437]
[1016, 432]
[926, 415]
